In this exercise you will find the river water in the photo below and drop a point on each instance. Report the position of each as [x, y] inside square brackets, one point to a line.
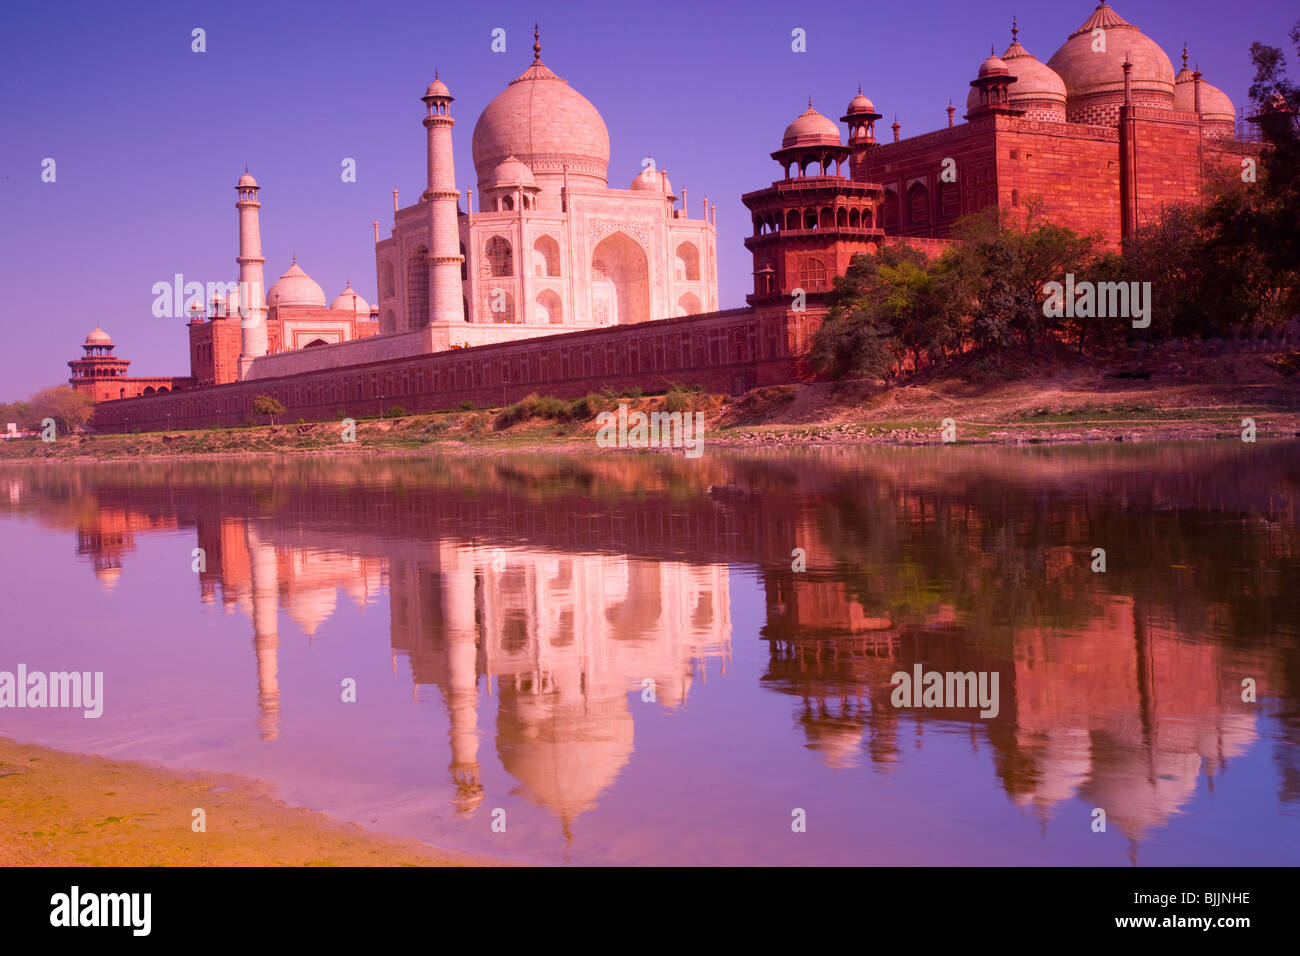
[632, 658]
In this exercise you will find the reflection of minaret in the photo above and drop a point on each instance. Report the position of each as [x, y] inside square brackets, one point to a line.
[462, 688]
[266, 637]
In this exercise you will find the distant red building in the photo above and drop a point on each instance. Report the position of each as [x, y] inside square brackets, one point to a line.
[103, 376]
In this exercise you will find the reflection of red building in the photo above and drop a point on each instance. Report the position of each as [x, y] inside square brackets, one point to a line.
[103, 375]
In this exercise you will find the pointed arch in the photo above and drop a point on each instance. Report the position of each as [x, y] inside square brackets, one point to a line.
[550, 310]
[546, 257]
[688, 262]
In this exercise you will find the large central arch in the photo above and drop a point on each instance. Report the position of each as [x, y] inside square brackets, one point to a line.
[620, 281]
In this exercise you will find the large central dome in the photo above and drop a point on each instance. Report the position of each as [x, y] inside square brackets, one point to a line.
[1091, 62]
[546, 124]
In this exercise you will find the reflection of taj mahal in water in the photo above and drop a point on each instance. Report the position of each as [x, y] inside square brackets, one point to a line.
[563, 637]
[1123, 708]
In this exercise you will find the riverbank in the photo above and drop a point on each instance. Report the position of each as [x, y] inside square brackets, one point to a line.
[61, 809]
[1137, 399]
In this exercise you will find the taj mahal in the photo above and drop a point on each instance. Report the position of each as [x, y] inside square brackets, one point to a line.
[556, 283]
[550, 248]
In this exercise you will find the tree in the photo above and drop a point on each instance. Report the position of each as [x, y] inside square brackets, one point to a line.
[268, 406]
[69, 408]
[999, 271]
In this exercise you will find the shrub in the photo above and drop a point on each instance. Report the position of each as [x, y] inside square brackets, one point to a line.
[589, 406]
[676, 401]
[467, 406]
[397, 411]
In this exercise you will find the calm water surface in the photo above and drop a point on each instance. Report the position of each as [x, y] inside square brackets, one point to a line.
[616, 651]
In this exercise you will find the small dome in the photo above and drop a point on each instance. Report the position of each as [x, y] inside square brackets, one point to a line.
[860, 104]
[811, 128]
[1215, 104]
[652, 180]
[295, 288]
[994, 66]
[247, 179]
[509, 172]
[98, 337]
[349, 301]
[1034, 81]
[437, 88]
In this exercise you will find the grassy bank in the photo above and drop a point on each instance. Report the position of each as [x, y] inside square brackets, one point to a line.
[1083, 401]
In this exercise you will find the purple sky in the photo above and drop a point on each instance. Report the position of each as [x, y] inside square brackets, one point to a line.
[149, 138]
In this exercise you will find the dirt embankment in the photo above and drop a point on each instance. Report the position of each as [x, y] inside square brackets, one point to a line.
[1031, 399]
[60, 809]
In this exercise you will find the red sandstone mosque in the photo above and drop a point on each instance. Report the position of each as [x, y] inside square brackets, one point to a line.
[558, 283]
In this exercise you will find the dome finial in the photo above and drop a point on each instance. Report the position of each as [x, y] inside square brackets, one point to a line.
[1184, 54]
[537, 43]
[810, 102]
[294, 256]
[859, 89]
[1015, 29]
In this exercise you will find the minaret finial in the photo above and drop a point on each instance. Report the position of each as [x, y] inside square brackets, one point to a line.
[537, 43]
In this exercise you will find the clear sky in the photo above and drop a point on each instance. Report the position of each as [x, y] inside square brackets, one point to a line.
[149, 137]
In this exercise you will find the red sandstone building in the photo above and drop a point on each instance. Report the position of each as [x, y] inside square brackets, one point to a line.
[103, 376]
[1102, 136]
[1100, 139]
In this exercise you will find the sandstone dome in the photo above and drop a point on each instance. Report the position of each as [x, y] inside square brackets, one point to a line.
[1215, 104]
[349, 301]
[860, 104]
[547, 124]
[437, 88]
[295, 288]
[811, 128]
[1038, 89]
[994, 66]
[247, 179]
[1096, 78]
[98, 337]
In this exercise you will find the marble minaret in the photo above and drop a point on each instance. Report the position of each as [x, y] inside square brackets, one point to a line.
[252, 297]
[445, 296]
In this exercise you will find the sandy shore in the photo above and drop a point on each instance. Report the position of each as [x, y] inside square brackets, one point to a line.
[61, 809]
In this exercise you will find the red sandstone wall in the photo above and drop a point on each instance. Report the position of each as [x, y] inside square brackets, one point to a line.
[910, 170]
[1168, 160]
[721, 351]
[1073, 169]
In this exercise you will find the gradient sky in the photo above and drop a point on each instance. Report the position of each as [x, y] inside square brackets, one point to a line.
[149, 138]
